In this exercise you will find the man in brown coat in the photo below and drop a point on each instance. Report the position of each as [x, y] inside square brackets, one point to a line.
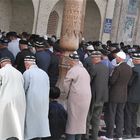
[118, 96]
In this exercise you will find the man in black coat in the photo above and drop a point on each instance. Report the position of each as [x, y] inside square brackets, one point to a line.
[131, 107]
[99, 74]
[4, 52]
[57, 115]
[43, 54]
[24, 51]
[53, 70]
[118, 96]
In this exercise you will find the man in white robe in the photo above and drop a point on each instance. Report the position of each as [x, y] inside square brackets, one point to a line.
[37, 97]
[12, 102]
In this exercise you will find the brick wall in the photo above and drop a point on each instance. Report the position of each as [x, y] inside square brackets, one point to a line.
[53, 23]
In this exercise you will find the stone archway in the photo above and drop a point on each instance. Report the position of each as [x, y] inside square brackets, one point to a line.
[92, 24]
[58, 8]
[22, 16]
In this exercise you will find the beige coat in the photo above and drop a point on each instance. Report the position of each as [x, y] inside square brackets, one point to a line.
[77, 86]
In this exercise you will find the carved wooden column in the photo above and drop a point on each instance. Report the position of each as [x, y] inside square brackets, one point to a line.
[70, 34]
[71, 24]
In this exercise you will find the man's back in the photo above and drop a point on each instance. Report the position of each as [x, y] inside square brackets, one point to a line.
[134, 85]
[19, 62]
[37, 98]
[43, 59]
[119, 82]
[12, 81]
[57, 119]
[99, 82]
[4, 52]
[13, 47]
[12, 103]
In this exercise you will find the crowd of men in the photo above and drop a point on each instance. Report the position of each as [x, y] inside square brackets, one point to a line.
[101, 79]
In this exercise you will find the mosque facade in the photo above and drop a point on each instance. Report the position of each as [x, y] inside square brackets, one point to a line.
[115, 20]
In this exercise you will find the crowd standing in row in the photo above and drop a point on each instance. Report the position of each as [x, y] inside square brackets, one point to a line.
[102, 78]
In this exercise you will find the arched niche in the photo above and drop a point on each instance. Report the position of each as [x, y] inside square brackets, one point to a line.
[92, 24]
[58, 8]
[22, 16]
[53, 23]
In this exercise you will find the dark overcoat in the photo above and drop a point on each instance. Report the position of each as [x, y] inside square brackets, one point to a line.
[99, 82]
[119, 82]
[134, 86]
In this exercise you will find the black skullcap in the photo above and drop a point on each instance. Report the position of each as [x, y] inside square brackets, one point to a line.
[114, 45]
[96, 53]
[136, 46]
[4, 59]
[104, 46]
[25, 34]
[33, 37]
[29, 58]
[24, 42]
[39, 42]
[97, 43]
[50, 41]
[4, 41]
[108, 42]
[116, 50]
[12, 33]
[54, 92]
[121, 43]
[105, 52]
[136, 55]
[132, 50]
[74, 55]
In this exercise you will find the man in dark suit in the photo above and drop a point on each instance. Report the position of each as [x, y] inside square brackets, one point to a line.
[4, 52]
[118, 96]
[43, 54]
[133, 100]
[99, 74]
[24, 51]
